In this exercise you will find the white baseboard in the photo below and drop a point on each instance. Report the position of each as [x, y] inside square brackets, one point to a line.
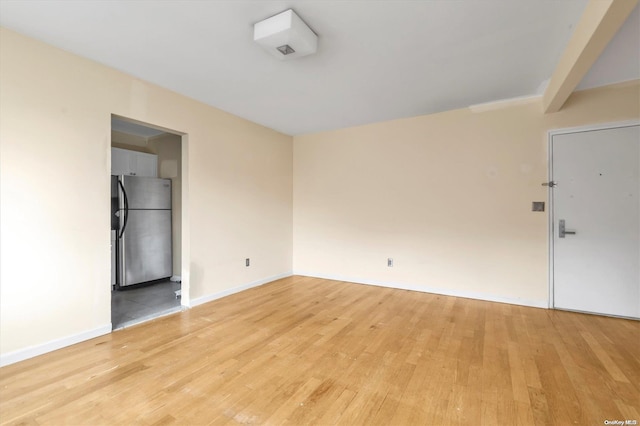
[445, 292]
[33, 351]
[204, 299]
[176, 278]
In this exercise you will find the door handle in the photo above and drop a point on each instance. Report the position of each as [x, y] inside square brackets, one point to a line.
[126, 208]
[562, 231]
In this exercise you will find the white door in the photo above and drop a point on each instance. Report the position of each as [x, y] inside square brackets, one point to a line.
[596, 261]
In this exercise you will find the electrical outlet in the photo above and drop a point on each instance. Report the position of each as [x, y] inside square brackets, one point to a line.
[390, 262]
[247, 262]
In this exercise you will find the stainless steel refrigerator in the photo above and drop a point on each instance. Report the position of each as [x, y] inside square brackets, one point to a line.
[141, 217]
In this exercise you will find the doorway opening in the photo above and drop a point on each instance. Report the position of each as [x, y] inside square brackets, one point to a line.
[148, 277]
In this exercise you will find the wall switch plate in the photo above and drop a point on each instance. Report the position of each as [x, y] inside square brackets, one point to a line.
[390, 262]
[537, 206]
[247, 262]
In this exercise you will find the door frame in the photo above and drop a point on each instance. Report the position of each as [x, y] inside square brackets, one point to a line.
[551, 218]
[185, 243]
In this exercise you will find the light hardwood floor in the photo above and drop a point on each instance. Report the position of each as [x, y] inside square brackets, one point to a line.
[307, 351]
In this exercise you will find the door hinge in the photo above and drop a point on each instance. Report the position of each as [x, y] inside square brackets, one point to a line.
[550, 184]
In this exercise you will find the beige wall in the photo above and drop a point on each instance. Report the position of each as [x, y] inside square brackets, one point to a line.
[168, 149]
[447, 196]
[54, 187]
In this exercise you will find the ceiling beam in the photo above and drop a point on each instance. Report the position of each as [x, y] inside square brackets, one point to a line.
[600, 21]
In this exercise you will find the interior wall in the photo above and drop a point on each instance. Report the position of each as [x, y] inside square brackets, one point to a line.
[55, 138]
[447, 196]
[168, 149]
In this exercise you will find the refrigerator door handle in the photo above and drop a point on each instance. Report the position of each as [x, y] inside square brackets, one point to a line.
[126, 208]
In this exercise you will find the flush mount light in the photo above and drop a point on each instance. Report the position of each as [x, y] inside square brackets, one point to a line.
[285, 36]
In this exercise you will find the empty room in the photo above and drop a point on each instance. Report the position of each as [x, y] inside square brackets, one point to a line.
[320, 212]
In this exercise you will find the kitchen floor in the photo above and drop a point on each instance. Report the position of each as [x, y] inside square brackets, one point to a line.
[136, 305]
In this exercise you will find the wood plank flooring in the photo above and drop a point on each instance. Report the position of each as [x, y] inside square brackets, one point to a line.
[308, 351]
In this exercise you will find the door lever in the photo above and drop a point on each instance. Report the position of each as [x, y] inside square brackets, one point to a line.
[562, 231]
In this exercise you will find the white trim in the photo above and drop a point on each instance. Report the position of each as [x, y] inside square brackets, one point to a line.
[550, 135]
[445, 292]
[504, 103]
[176, 278]
[592, 127]
[550, 227]
[211, 297]
[33, 351]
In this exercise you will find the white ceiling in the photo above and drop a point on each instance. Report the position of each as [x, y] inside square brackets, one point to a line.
[377, 60]
[620, 61]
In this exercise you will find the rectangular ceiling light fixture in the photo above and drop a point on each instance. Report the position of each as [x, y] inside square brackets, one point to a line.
[285, 36]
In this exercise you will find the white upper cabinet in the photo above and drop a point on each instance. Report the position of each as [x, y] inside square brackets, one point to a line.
[120, 162]
[133, 163]
[145, 164]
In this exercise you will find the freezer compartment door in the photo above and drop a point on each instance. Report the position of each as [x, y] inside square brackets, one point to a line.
[147, 192]
[145, 248]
